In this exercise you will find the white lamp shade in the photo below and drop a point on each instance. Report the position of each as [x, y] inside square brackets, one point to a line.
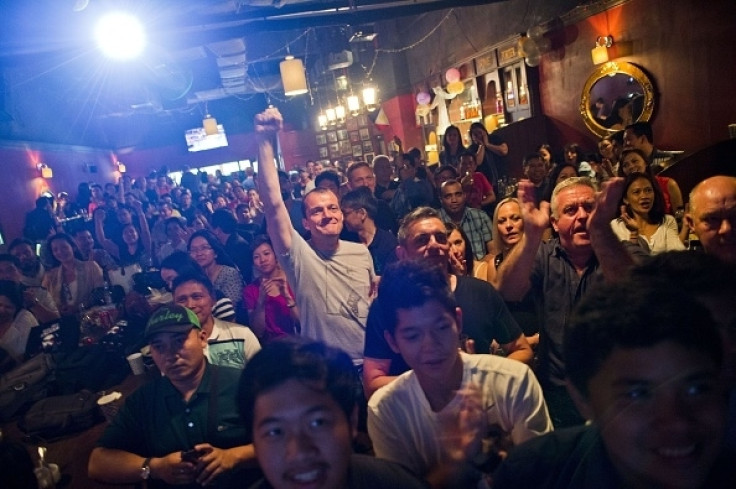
[210, 125]
[322, 120]
[121, 167]
[340, 113]
[353, 104]
[331, 116]
[369, 96]
[47, 172]
[293, 76]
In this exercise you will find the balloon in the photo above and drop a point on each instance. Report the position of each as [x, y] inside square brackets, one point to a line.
[452, 75]
[535, 32]
[455, 87]
[423, 98]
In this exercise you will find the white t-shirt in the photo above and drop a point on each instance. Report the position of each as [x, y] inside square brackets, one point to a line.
[333, 292]
[231, 345]
[405, 430]
[665, 238]
[16, 337]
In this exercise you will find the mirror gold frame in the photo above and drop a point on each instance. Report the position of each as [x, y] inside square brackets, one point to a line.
[613, 68]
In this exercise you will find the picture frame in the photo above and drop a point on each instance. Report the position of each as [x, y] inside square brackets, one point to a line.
[351, 124]
[332, 137]
[342, 135]
[362, 120]
[357, 150]
[321, 139]
[355, 137]
[334, 150]
[365, 134]
[367, 147]
[345, 148]
[323, 152]
[369, 157]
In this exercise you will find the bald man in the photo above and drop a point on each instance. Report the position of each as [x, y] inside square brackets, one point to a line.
[712, 216]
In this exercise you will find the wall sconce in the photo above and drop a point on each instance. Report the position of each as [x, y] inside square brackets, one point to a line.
[340, 113]
[600, 52]
[322, 121]
[46, 171]
[353, 105]
[331, 116]
[210, 125]
[121, 167]
[293, 76]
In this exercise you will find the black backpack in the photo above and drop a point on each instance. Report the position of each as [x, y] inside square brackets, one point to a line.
[61, 415]
[26, 384]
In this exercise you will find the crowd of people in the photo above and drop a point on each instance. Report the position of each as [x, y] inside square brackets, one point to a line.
[555, 332]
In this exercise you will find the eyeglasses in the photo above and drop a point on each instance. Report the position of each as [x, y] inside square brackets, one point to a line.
[195, 251]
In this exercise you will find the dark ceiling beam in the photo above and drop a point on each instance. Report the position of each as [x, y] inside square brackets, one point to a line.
[294, 17]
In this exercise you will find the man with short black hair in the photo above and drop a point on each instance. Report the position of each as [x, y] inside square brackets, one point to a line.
[639, 135]
[181, 429]
[361, 174]
[536, 171]
[36, 300]
[475, 222]
[31, 268]
[452, 413]
[224, 227]
[360, 209]
[643, 365]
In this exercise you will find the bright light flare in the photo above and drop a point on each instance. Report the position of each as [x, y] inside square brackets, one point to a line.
[120, 36]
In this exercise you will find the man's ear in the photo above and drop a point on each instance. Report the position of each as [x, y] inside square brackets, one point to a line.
[401, 253]
[391, 342]
[689, 221]
[580, 400]
[553, 222]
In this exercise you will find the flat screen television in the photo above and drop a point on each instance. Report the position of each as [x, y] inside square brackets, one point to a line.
[198, 140]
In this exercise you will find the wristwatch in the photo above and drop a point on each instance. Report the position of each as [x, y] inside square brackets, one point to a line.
[146, 469]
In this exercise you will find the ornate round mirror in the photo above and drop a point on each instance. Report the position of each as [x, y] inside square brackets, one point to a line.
[615, 95]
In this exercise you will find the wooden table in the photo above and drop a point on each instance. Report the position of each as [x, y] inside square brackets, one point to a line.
[71, 453]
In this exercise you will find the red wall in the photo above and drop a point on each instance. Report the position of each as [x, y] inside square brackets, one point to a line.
[686, 47]
[22, 182]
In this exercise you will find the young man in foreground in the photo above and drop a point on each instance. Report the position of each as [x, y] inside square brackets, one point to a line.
[299, 400]
[451, 416]
[643, 363]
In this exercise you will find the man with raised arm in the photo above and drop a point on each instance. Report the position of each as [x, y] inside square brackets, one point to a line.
[564, 269]
[332, 279]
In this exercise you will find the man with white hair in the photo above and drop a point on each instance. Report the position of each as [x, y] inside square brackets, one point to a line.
[712, 216]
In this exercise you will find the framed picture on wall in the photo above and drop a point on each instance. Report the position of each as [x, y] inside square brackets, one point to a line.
[357, 150]
[323, 152]
[362, 120]
[369, 158]
[345, 148]
[365, 134]
[355, 137]
[321, 139]
[334, 150]
[351, 124]
[342, 135]
[367, 147]
[332, 137]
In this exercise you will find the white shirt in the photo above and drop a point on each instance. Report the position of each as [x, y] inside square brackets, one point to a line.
[231, 344]
[406, 430]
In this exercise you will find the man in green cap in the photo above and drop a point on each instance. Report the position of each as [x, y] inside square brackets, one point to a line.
[181, 429]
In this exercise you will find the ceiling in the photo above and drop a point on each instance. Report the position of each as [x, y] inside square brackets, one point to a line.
[203, 56]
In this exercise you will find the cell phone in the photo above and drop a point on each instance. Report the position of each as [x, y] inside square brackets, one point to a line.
[191, 455]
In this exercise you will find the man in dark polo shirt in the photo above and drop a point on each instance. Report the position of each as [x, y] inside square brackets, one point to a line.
[183, 428]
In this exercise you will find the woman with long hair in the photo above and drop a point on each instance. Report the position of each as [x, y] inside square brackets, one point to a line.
[71, 280]
[209, 254]
[643, 217]
[635, 161]
[269, 299]
[508, 229]
[462, 258]
[452, 144]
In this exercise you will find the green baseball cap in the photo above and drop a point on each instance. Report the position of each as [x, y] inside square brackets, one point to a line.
[171, 318]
